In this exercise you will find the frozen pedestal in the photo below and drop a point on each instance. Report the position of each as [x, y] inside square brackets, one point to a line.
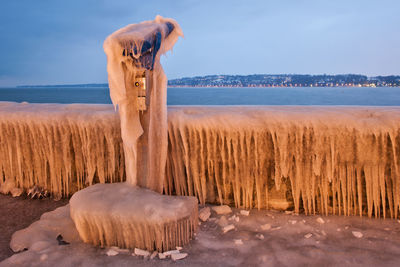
[128, 216]
[125, 215]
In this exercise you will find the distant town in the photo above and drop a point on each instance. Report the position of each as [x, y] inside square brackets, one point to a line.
[266, 80]
[286, 80]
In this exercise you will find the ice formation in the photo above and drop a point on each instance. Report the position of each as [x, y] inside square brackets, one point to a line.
[331, 160]
[124, 214]
[134, 51]
[59, 148]
[128, 216]
[43, 233]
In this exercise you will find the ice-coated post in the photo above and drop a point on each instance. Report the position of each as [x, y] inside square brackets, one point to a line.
[138, 87]
[127, 215]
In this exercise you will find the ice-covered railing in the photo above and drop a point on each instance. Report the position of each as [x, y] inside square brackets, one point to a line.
[330, 160]
[59, 148]
[340, 160]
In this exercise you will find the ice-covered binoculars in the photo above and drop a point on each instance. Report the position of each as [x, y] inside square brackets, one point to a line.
[143, 57]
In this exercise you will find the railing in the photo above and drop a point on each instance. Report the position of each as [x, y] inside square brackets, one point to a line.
[330, 160]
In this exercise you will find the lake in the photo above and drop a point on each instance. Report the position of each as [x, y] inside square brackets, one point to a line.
[359, 96]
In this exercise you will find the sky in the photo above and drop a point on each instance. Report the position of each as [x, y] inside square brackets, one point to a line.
[61, 42]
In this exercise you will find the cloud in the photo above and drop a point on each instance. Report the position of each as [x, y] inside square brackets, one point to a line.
[57, 41]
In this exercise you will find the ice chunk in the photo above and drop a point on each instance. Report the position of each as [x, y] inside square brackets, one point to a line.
[120, 250]
[320, 220]
[16, 192]
[9, 186]
[178, 256]
[141, 252]
[111, 252]
[223, 209]
[153, 255]
[161, 256]
[245, 212]
[357, 234]
[170, 252]
[204, 214]
[260, 236]
[265, 227]
[238, 241]
[228, 228]
[308, 235]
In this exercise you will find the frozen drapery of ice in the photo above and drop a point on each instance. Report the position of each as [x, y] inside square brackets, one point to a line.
[340, 160]
[131, 51]
[59, 148]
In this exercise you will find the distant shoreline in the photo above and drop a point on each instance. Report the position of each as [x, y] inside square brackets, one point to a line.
[201, 86]
[262, 81]
[276, 86]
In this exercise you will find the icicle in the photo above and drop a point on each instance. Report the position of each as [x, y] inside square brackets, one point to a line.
[333, 160]
[328, 154]
[59, 147]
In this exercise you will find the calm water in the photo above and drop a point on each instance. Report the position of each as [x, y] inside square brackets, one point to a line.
[381, 96]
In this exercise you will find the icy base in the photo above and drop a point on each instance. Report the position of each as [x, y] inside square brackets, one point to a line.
[285, 244]
[128, 216]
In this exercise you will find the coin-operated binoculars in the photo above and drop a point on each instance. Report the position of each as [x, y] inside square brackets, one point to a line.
[138, 86]
[123, 214]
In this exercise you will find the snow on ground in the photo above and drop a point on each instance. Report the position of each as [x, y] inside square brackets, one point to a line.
[262, 238]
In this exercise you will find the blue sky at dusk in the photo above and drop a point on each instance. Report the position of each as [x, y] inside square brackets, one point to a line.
[61, 42]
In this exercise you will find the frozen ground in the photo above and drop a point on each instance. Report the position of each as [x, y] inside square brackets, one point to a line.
[263, 238]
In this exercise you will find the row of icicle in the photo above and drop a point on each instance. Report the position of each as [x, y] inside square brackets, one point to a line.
[60, 152]
[338, 170]
[329, 166]
[106, 231]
